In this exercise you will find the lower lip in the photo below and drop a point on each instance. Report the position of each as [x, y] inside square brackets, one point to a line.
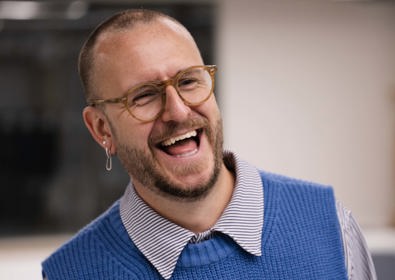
[187, 155]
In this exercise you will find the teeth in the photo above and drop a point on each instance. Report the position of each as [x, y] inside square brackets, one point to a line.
[173, 140]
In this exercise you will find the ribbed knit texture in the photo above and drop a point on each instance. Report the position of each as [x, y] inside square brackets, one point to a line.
[300, 240]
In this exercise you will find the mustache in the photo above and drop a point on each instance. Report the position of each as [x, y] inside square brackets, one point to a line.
[171, 128]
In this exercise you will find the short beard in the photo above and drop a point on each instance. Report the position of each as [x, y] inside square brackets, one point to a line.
[141, 166]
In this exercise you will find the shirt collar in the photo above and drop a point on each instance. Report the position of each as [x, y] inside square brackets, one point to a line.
[242, 219]
[162, 241]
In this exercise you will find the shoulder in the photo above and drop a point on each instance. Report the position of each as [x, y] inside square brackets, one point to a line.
[296, 198]
[90, 231]
[86, 248]
[272, 179]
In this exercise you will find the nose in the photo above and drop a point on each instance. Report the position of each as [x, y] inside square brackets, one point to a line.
[174, 109]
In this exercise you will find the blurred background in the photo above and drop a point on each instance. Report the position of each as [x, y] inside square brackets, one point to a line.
[307, 89]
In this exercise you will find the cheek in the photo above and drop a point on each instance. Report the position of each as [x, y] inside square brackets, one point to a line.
[133, 136]
[211, 110]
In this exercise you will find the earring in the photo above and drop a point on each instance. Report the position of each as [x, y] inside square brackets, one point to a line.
[109, 158]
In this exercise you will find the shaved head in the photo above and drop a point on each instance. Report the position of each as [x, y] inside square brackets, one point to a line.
[123, 21]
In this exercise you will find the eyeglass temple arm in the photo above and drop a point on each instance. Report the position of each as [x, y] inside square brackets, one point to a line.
[94, 102]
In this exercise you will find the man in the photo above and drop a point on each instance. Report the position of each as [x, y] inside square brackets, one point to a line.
[191, 211]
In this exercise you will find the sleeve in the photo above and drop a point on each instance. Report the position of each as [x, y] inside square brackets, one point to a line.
[43, 275]
[358, 259]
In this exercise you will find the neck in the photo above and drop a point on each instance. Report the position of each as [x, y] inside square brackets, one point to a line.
[196, 216]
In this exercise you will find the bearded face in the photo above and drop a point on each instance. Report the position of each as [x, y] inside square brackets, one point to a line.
[146, 169]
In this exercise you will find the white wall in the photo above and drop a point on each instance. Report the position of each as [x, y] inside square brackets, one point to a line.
[307, 89]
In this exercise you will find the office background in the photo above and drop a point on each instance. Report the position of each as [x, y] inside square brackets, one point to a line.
[307, 89]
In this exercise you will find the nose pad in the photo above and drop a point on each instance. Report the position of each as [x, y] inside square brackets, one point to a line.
[174, 108]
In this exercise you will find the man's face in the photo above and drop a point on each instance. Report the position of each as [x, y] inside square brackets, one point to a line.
[178, 155]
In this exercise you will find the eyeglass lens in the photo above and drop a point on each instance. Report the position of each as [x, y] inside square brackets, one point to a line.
[193, 85]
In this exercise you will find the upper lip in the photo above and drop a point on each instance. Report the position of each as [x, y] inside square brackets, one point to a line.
[172, 140]
[177, 135]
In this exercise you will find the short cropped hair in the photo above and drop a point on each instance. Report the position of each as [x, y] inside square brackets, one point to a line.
[124, 20]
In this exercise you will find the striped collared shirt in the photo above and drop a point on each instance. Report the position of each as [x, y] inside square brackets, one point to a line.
[162, 241]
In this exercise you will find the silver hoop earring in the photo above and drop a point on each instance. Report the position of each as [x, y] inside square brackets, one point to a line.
[109, 160]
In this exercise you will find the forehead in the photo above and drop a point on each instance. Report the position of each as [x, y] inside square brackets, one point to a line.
[146, 52]
[146, 44]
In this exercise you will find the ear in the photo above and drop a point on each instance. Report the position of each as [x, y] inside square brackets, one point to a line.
[98, 125]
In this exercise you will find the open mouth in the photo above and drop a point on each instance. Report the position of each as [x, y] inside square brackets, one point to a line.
[183, 145]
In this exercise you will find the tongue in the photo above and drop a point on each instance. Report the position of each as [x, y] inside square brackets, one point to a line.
[181, 147]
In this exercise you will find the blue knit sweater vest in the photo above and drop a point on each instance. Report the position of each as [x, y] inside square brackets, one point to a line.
[301, 240]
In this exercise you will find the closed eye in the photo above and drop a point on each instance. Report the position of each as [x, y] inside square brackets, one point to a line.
[189, 83]
[143, 98]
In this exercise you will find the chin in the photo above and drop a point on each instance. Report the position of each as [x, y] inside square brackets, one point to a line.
[190, 189]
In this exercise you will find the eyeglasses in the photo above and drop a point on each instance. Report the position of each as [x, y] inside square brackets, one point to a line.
[146, 101]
